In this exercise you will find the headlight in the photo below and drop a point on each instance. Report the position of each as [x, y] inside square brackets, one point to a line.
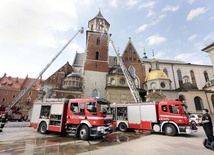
[102, 130]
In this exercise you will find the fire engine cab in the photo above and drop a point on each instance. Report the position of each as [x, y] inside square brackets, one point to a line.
[83, 117]
[167, 116]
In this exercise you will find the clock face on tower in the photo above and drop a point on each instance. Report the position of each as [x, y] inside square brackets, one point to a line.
[113, 82]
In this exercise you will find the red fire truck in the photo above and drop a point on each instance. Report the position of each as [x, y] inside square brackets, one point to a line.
[83, 117]
[168, 117]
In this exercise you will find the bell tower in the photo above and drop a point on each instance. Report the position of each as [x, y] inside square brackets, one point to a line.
[96, 64]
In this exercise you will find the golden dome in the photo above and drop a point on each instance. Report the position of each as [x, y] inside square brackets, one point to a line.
[156, 74]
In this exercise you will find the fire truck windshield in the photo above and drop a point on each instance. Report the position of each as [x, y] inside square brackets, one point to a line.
[104, 107]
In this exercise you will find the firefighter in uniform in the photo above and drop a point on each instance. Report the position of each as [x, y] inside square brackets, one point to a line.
[208, 126]
[3, 120]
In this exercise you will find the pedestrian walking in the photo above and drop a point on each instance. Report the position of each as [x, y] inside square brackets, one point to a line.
[207, 126]
[3, 120]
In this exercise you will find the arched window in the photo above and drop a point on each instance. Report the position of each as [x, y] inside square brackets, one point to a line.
[198, 103]
[150, 69]
[94, 93]
[165, 71]
[132, 71]
[206, 76]
[180, 81]
[193, 77]
[92, 27]
[212, 99]
[98, 40]
[97, 55]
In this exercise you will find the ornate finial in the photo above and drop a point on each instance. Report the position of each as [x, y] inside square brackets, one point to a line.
[118, 51]
[153, 54]
[144, 53]
[129, 38]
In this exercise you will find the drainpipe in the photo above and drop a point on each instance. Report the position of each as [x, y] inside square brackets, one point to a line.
[173, 76]
[208, 102]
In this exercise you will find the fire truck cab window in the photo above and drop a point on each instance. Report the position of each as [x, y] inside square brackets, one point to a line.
[74, 107]
[174, 109]
[91, 107]
[164, 108]
[82, 108]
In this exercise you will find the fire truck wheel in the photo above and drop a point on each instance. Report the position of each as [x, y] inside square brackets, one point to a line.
[193, 123]
[43, 128]
[170, 130]
[84, 132]
[122, 127]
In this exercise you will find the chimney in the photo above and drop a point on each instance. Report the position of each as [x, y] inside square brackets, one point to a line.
[17, 80]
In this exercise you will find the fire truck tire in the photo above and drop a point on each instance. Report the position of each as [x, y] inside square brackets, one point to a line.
[84, 133]
[170, 130]
[43, 128]
[194, 123]
[122, 127]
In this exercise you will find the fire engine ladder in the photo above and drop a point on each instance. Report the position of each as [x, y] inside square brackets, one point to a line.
[43, 70]
[129, 80]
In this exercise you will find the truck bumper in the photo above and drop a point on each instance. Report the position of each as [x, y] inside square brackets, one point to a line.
[188, 129]
[101, 131]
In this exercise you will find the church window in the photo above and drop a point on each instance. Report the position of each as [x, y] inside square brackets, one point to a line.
[132, 71]
[193, 77]
[98, 40]
[126, 59]
[122, 81]
[97, 55]
[30, 93]
[180, 81]
[165, 71]
[212, 99]
[198, 103]
[162, 84]
[206, 76]
[3, 100]
[94, 93]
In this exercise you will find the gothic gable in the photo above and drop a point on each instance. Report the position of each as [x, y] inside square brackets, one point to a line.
[130, 54]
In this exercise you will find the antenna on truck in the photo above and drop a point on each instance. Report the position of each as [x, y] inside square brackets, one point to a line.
[43, 70]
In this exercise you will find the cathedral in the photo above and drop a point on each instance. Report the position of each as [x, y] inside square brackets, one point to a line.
[95, 73]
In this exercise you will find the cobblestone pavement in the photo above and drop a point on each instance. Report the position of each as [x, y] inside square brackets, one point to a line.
[13, 135]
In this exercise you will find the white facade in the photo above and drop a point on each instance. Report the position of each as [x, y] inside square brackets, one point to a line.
[185, 69]
[95, 81]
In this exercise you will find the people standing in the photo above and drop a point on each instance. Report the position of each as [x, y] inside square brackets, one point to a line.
[207, 125]
[3, 120]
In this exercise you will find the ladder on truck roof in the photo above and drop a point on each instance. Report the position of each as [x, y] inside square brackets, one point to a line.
[43, 70]
[129, 80]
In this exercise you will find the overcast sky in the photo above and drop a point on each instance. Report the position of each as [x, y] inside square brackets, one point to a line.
[32, 32]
